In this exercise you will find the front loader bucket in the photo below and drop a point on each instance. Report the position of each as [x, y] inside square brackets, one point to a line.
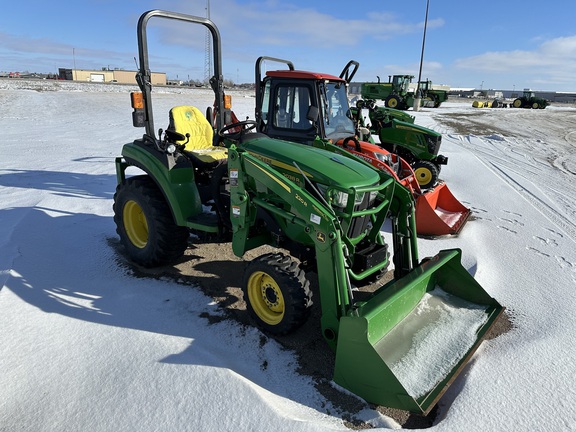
[438, 212]
[404, 346]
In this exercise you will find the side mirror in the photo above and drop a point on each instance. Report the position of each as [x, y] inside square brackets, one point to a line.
[313, 113]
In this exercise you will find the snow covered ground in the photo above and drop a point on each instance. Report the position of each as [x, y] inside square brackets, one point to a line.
[88, 345]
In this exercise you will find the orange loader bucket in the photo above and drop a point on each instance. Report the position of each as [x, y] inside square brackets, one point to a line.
[438, 212]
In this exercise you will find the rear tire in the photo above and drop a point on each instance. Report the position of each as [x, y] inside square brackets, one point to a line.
[277, 293]
[426, 173]
[517, 103]
[145, 225]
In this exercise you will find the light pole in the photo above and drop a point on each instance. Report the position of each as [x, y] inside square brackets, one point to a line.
[74, 58]
[418, 98]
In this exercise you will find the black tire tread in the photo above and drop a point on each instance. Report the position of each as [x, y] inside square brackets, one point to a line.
[167, 241]
[432, 168]
[294, 285]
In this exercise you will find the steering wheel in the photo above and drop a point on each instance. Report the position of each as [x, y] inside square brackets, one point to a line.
[235, 131]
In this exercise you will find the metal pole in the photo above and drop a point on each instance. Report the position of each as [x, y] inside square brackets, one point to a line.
[74, 70]
[208, 49]
[418, 91]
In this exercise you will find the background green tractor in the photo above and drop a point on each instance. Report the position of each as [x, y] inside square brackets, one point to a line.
[398, 134]
[529, 100]
[396, 93]
[432, 97]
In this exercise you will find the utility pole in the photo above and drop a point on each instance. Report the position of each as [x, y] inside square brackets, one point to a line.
[207, 49]
[74, 58]
[418, 97]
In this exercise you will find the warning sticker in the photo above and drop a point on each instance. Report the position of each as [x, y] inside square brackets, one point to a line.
[314, 218]
[233, 177]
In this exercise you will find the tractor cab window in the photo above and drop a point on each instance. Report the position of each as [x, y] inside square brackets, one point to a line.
[337, 117]
[401, 83]
[291, 106]
[265, 103]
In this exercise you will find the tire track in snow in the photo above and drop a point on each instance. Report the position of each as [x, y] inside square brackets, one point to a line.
[535, 155]
[551, 213]
[506, 160]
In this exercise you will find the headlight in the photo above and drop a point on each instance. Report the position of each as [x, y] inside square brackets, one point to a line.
[383, 158]
[171, 148]
[359, 198]
[335, 197]
[340, 199]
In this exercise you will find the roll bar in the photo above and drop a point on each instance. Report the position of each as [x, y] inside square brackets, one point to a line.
[143, 76]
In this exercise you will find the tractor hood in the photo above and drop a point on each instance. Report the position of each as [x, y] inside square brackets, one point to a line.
[414, 128]
[395, 114]
[318, 165]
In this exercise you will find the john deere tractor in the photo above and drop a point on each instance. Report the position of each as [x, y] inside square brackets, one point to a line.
[321, 212]
[398, 134]
[396, 93]
[529, 100]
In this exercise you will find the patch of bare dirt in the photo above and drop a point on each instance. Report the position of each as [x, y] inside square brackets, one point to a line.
[473, 123]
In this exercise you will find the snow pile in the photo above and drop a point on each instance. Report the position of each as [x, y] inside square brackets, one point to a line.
[424, 347]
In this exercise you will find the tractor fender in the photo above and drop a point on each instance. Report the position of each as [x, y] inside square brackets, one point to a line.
[174, 177]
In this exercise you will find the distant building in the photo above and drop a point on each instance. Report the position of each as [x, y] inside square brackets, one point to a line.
[109, 76]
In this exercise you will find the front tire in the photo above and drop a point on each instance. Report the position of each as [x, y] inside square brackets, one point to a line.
[392, 101]
[277, 293]
[145, 224]
[426, 173]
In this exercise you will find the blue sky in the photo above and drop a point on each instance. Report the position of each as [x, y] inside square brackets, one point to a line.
[497, 44]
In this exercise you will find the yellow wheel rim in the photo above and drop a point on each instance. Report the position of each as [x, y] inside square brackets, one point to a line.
[266, 298]
[393, 103]
[517, 104]
[135, 224]
[423, 175]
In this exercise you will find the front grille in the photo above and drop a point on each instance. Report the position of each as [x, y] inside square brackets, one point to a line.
[360, 223]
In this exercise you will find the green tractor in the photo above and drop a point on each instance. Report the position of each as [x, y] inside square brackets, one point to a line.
[529, 100]
[398, 134]
[431, 97]
[396, 93]
[322, 212]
